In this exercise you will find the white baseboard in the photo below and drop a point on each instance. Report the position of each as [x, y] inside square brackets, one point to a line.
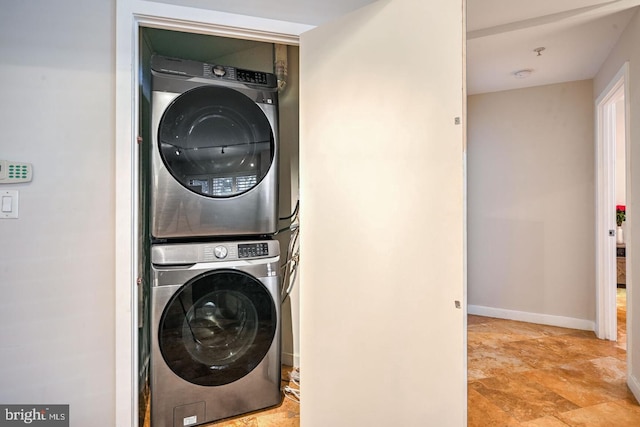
[523, 316]
[290, 359]
[634, 386]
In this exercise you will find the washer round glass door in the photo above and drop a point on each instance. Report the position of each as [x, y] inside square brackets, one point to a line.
[216, 141]
[217, 327]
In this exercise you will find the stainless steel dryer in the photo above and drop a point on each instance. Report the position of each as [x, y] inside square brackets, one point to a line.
[215, 333]
[214, 160]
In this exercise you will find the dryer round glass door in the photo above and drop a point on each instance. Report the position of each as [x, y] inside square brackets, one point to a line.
[216, 141]
[217, 328]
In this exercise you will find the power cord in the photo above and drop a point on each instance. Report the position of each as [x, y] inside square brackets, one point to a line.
[290, 392]
[294, 376]
[289, 269]
[294, 213]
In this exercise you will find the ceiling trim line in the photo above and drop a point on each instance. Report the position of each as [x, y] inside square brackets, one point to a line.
[216, 29]
[574, 15]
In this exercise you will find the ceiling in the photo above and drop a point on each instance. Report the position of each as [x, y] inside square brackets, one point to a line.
[501, 34]
[577, 36]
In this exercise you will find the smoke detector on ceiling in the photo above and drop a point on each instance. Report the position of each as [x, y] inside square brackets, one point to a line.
[522, 74]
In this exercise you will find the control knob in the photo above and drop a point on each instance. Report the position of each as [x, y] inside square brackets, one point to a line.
[220, 252]
[219, 71]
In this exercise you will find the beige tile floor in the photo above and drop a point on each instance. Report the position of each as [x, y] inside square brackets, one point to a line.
[527, 375]
[522, 374]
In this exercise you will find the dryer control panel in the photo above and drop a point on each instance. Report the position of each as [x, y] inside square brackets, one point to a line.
[251, 250]
[189, 68]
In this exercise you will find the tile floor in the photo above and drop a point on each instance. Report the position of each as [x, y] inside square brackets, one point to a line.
[522, 374]
[527, 375]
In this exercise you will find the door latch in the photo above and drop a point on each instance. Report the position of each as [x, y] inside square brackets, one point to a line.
[612, 233]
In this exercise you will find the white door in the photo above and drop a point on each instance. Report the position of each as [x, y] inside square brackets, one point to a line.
[382, 217]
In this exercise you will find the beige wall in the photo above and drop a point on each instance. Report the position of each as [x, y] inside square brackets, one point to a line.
[531, 203]
[627, 50]
[381, 185]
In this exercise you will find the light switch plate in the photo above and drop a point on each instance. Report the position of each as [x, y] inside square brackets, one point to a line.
[9, 204]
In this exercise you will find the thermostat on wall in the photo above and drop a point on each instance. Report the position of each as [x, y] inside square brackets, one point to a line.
[15, 172]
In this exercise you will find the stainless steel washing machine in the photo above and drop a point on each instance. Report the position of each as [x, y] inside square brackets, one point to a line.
[214, 160]
[215, 333]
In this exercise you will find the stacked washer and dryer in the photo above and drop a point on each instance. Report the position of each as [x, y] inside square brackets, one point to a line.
[215, 296]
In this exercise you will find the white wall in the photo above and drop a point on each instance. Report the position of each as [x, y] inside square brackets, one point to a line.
[531, 204]
[627, 50]
[57, 259]
[381, 186]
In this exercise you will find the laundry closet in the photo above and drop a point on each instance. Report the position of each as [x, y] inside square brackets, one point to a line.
[213, 257]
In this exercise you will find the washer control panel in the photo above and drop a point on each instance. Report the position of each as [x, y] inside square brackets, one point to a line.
[252, 77]
[180, 254]
[251, 250]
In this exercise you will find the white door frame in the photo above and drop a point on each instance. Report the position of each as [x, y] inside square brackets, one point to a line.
[606, 320]
[130, 16]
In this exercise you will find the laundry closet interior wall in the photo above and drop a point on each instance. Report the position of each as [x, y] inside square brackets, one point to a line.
[247, 54]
